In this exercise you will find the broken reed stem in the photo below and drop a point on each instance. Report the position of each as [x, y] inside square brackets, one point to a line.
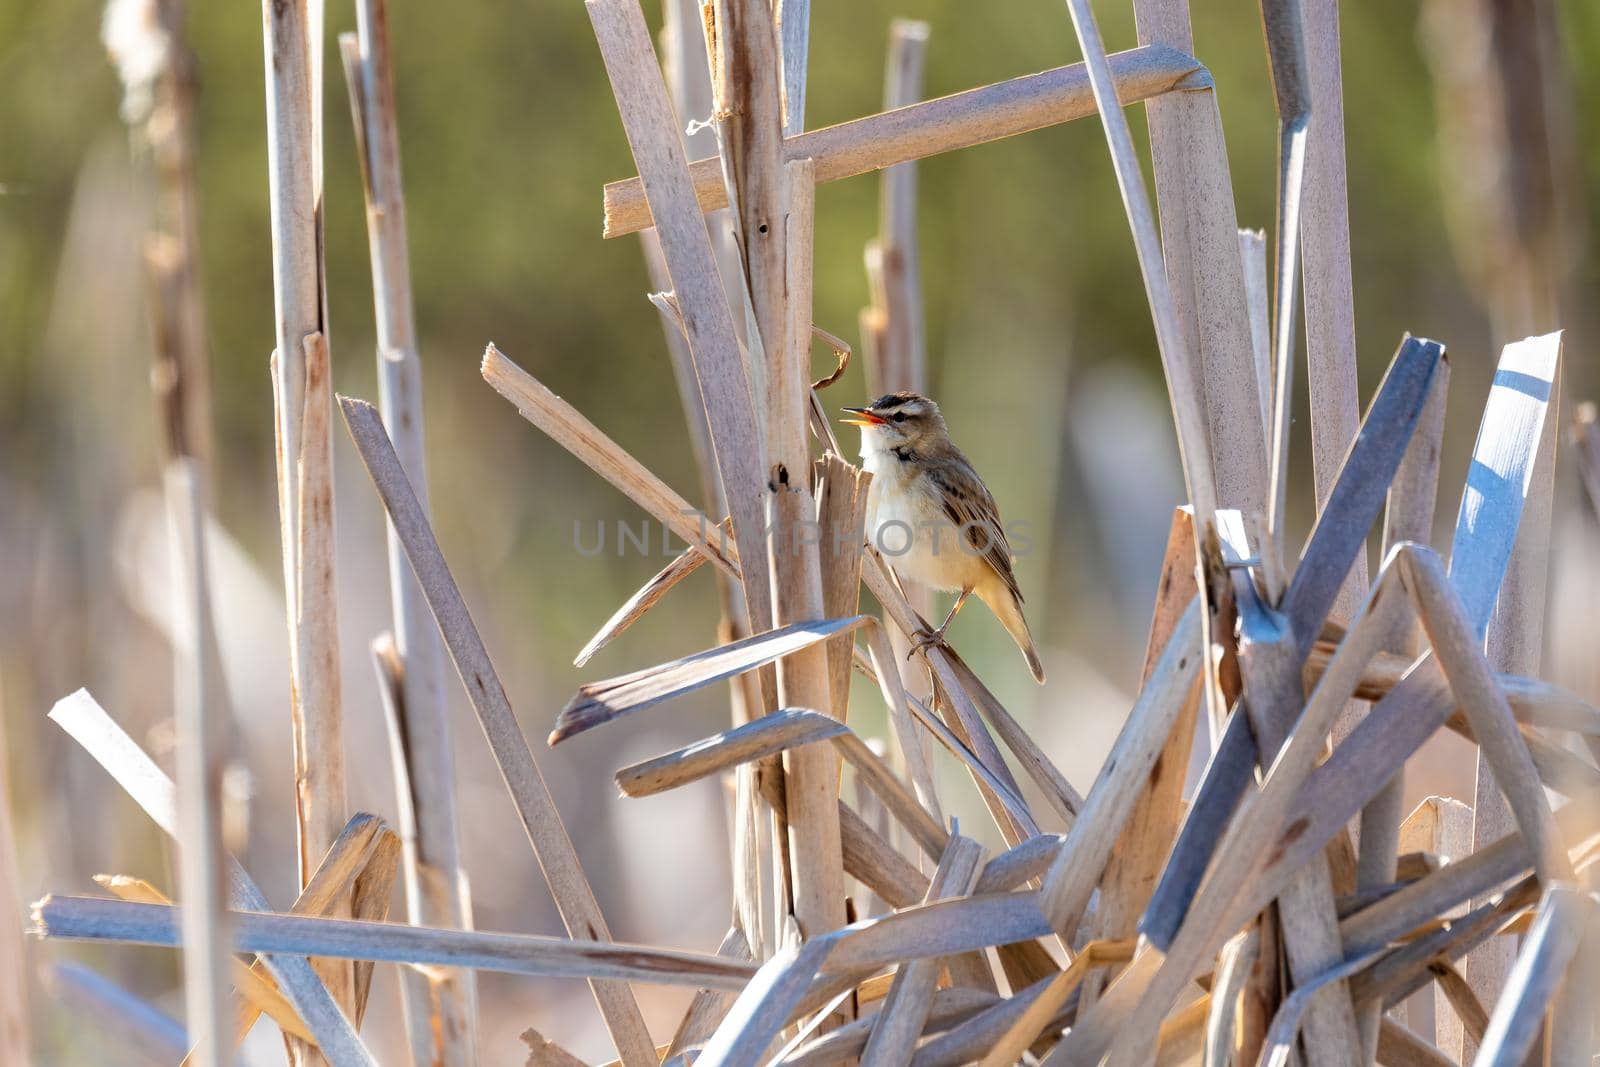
[1408, 517]
[90, 918]
[1328, 290]
[961, 120]
[540, 818]
[304, 407]
[200, 726]
[1199, 231]
[435, 886]
[811, 773]
[794, 37]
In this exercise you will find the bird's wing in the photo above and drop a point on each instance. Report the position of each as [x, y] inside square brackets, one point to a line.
[970, 506]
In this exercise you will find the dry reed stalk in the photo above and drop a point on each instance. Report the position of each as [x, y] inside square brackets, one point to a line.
[1408, 516]
[435, 887]
[141, 1030]
[1141, 850]
[1325, 246]
[92, 918]
[719, 364]
[88, 724]
[1533, 702]
[914, 751]
[747, 91]
[1258, 299]
[648, 596]
[906, 1007]
[782, 731]
[1501, 745]
[1053, 785]
[687, 71]
[199, 724]
[293, 35]
[545, 1053]
[841, 527]
[961, 120]
[1443, 827]
[1236, 964]
[794, 37]
[597, 703]
[1200, 247]
[811, 774]
[541, 820]
[1564, 915]
[1515, 643]
[1286, 51]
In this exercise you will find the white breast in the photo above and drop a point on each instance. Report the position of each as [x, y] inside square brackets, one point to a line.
[909, 526]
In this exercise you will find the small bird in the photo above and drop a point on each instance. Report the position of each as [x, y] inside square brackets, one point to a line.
[926, 496]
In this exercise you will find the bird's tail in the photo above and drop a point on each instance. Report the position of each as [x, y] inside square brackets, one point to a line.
[1008, 610]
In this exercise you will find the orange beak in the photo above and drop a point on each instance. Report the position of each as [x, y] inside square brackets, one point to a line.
[867, 418]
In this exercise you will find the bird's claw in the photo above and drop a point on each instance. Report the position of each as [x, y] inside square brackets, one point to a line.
[923, 639]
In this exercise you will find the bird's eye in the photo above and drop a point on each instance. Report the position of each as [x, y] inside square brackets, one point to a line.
[899, 416]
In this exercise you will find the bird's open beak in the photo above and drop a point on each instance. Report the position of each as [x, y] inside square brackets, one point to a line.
[867, 418]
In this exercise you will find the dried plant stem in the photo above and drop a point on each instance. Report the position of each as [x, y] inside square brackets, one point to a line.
[1325, 246]
[559, 957]
[811, 773]
[905, 1009]
[540, 818]
[435, 886]
[1141, 850]
[303, 401]
[200, 724]
[1200, 247]
[976, 116]
[1515, 644]
[1409, 517]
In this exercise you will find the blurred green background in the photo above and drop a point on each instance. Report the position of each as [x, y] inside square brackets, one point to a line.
[1040, 345]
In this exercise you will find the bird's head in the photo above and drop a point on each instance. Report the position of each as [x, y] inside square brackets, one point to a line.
[899, 420]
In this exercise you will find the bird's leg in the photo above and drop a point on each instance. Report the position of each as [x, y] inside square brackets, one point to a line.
[923, 638]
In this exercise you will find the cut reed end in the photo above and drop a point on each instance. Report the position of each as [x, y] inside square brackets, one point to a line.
[36, 914]
[355, 408]
[492, 358]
